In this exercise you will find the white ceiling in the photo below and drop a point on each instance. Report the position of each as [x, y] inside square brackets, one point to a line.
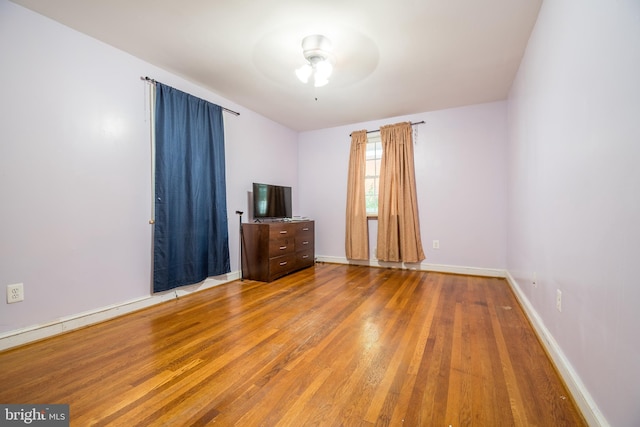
[392, 58]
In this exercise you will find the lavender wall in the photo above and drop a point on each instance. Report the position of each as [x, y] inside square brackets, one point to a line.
[75, 184]
[75, 181]
[460, 178]
[574, 194]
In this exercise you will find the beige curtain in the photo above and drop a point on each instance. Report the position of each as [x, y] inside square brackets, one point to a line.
[357, 234]
[398, 225]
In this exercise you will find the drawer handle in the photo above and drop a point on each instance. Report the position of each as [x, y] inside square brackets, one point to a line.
[283, 232]
[305, 243]
[283, 263]
[305, 256]
[305, 229]
[282, 248]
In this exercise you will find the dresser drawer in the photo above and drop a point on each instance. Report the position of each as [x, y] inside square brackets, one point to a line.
[305, 229]
[281, 230]
[304, 243]
[304, 258]
[281, 265]
[282, 246]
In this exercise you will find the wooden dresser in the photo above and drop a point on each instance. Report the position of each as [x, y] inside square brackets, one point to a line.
[273, 249]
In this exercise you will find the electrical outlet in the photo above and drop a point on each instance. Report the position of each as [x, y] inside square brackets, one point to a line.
[15, 293]
[436, 244]
[559, 299]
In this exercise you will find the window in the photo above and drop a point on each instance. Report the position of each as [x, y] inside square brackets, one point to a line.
[372, 172]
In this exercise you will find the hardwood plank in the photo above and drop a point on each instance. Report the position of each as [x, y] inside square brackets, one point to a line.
[329, 345]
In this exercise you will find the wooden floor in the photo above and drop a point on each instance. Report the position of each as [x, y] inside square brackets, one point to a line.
[331, 345]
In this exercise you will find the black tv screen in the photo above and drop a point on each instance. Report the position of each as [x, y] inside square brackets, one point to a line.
[271, 201]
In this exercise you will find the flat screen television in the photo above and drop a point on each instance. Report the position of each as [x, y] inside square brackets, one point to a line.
[271, 201]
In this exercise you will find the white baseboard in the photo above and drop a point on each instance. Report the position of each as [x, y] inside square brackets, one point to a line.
[65, 324]
[583, 398]
[422, 266]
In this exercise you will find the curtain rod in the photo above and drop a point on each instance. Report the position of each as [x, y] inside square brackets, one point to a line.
[378, 130]
[152, 81]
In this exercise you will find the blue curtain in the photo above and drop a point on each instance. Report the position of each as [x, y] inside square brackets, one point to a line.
[191, 239]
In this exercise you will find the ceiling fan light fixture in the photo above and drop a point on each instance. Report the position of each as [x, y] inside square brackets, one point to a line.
[324, 69]
[322, 73]
[304, 73]
[319, 81]
[316, 50]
